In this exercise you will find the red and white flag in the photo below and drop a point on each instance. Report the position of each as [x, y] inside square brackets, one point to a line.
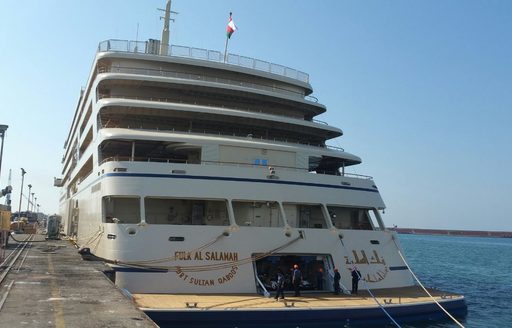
[231, 27]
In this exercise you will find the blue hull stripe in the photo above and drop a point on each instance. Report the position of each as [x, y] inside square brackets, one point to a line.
[204, 177]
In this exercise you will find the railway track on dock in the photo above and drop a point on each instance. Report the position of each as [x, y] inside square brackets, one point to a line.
[12, 261]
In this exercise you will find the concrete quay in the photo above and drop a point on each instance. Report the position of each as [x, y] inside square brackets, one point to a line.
[49, 285]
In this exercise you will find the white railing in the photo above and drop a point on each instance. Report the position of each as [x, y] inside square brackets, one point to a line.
[201, 77]
[152, 47]
[119, 158]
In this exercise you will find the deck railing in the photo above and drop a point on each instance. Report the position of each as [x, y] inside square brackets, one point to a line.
[152, 47]
[180, 101]
[116, 124]
[202, 77]
[221, 163]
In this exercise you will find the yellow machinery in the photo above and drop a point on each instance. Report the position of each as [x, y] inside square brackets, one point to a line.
[5, 224]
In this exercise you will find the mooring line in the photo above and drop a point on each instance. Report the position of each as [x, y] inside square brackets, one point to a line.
[426, 291]
[377, 301]
[368, 288]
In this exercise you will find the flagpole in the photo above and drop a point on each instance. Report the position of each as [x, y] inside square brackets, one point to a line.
[226, 49]
[227, 39]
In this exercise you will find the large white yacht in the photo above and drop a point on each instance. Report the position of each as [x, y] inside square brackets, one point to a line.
[194, 174]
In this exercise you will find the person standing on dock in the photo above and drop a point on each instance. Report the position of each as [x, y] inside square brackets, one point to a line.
[280, 285]
[336, 283]
[296, 279]
[356, 275]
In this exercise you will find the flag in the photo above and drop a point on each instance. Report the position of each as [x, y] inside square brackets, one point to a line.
[231, 27]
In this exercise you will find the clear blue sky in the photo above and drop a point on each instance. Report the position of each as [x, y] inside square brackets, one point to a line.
[421, 89]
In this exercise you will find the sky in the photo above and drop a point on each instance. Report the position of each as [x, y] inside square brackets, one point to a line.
[421, 89]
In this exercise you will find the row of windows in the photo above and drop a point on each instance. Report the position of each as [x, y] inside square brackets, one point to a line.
[246, 213]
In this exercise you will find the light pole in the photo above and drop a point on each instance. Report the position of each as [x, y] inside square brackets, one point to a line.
[3, 128]
[34, 205]
[23, 172]
[28, 204]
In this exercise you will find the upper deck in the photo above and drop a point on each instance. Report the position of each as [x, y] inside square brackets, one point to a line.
[236, 62]
[242, 74]
[190, 91]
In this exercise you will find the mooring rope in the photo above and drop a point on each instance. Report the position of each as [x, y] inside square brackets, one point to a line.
[199, 268]
[97, 240]
[173, 258]
[423, 287]
[212, 267]
[94, 238]
[142, 262]
[368, 288]
[90, 238]
[376, 300]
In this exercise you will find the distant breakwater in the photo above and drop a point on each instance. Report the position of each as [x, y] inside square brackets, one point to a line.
[464, 233]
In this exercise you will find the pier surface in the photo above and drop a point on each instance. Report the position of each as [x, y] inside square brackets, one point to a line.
[49, 285]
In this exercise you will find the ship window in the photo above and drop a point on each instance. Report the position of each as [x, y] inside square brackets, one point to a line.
[263, 162]
[257, 213]
[186, 211]
[148, 151]
[115, 150]
[305, 216]
[350, 218]
[325, 165]
[119, 209]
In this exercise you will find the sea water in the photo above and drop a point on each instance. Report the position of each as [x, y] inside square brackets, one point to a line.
[478, 268]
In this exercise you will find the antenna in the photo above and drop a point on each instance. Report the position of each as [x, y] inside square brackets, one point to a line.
[137, 38]
[164, 46]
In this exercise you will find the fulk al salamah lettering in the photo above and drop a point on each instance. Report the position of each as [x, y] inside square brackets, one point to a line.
[206, 256]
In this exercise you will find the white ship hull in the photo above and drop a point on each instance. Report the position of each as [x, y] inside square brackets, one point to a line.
[235, 245]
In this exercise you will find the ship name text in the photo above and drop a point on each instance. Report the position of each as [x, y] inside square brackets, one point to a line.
[206, 256]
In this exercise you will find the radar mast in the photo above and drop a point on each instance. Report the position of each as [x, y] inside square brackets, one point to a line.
[164, 46]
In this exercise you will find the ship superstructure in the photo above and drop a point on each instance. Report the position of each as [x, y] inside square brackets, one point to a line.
[205, 169]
